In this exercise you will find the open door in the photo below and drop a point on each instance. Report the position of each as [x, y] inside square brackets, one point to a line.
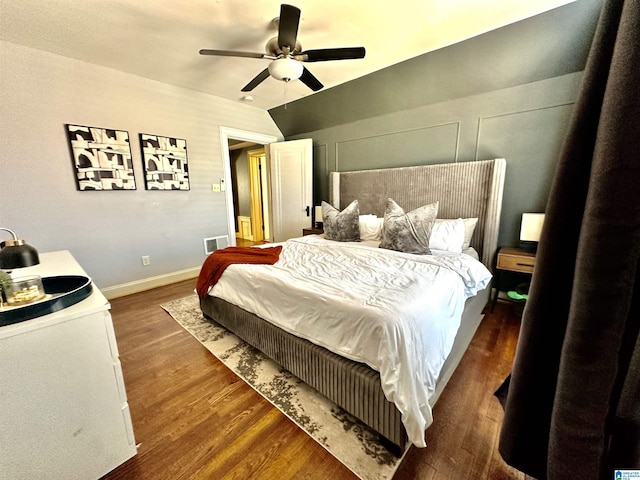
[291, 173]
[290, 183]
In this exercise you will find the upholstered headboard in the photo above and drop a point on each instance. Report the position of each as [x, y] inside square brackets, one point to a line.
[465, 189]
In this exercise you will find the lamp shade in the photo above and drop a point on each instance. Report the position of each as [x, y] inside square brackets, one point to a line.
[318, 214]
[16, 253]
[531, 227]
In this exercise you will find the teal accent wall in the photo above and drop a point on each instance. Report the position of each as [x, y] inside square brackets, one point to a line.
[508, 93]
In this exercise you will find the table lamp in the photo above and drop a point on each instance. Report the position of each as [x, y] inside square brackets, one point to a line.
[16, 253]
[318, 215]
[530, 230]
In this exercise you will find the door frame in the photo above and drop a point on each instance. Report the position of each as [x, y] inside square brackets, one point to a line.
[225, 134]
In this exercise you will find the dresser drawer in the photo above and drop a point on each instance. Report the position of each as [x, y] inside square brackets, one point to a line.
[515, 262]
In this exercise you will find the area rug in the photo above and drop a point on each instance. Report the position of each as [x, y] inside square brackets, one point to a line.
[355, 445]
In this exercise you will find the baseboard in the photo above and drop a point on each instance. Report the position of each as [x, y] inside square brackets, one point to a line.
[149, 283]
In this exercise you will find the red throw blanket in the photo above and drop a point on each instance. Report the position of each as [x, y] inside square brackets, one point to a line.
[216, 263]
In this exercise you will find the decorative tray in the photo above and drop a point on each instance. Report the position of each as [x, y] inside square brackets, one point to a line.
[60, 292]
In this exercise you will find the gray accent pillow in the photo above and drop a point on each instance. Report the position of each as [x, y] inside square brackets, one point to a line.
[342, 226]
[408, 232]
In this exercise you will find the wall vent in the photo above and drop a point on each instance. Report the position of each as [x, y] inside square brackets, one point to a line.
[212, 244]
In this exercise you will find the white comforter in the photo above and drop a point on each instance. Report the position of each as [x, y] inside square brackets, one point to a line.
[398, 313]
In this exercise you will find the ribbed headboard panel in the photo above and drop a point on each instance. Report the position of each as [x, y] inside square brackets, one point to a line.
[466, 189]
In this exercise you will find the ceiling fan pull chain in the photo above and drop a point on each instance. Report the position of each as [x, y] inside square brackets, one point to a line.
[284, 94]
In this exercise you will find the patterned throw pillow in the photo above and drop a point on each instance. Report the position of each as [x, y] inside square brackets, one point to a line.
[408, 232]
[342, 226]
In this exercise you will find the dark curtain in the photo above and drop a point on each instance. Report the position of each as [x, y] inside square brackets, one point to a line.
[573, 403]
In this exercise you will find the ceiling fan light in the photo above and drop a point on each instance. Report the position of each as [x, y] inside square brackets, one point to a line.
[285, 69]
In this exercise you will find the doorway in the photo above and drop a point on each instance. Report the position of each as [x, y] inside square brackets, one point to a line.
[259, 194]
[232, 139]
[250, 188]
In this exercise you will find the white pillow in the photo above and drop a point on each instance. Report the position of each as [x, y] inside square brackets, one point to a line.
[469, 227]
[370, 227]
[447, 235]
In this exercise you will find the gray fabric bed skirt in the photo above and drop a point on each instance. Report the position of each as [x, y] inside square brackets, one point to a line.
[353, 386]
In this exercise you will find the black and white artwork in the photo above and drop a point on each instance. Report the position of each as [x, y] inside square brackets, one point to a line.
[102, 158]
[165, 162]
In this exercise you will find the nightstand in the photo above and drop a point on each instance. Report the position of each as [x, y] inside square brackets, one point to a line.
[512, 260]
[312, 231]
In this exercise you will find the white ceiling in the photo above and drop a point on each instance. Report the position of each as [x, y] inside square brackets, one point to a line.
[160, 39]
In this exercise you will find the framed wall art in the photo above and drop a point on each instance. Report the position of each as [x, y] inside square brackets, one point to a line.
[165, 162]
[101, 158]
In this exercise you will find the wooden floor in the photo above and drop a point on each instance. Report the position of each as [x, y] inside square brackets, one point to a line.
[194, 419]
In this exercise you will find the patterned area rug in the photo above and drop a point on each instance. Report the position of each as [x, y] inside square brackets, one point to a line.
[342, 435]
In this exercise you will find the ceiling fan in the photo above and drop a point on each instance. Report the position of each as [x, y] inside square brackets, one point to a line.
[287, 56]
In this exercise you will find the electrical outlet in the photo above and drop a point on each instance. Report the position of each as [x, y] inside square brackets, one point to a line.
[146, 260]
[215, 187]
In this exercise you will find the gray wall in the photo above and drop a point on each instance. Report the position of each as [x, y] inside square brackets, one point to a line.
[241, 183]
[508, 93]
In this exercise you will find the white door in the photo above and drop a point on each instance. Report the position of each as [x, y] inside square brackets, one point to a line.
[291, 172]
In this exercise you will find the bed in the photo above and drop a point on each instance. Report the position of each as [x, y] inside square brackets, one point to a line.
[394, 399]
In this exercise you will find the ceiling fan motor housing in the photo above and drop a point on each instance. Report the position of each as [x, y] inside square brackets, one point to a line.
[285, 69]
[272, 48]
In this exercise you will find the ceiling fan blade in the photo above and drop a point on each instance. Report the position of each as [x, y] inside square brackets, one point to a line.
[288, 26]
[258, 79]
[325, 54]
[310, 80]
[231, 53]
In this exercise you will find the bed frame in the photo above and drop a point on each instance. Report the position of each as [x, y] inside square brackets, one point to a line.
[469, 189]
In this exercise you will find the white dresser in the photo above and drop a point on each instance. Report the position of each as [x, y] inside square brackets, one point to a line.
[63, 405]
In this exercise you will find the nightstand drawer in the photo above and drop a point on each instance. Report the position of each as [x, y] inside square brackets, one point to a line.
[511, 259]
[516, 263]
